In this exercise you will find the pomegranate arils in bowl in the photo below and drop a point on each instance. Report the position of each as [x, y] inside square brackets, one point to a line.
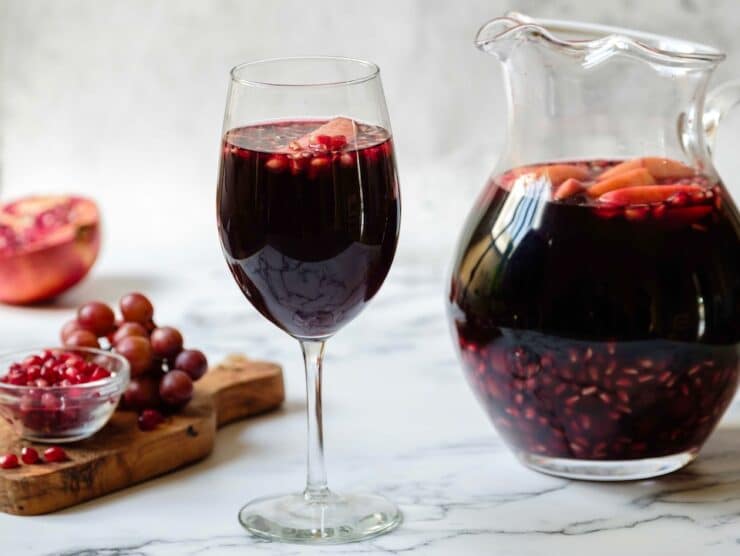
[60, 395]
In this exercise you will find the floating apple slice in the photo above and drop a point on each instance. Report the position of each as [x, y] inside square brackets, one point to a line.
[568, 188]
[645, 194]
[659, 168]
[556, 173]
[333, 135]
[630, 178]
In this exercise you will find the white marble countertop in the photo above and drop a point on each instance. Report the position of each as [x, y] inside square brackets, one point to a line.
[400, 420]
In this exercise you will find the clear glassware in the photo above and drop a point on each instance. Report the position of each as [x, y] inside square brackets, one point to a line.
[595, 293]
[79, 410]
[308, 213]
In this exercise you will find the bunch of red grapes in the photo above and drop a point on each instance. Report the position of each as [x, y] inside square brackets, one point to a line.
[162, 372]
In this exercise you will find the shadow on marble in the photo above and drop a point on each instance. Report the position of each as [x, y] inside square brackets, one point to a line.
[103, 286]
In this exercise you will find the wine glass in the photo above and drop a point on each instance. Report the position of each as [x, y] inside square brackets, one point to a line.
[308, 215]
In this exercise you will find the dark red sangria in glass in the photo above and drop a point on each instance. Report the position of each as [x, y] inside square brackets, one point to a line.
[309, 222]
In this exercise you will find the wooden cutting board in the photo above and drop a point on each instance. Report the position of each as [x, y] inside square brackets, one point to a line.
[120, 455]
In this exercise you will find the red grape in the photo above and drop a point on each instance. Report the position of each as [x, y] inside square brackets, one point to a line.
[176, 388]
[166, 342]
[82, 338]
[97, 317]
[135, 307]
[142, 393]
[129, 329]
[192, 362]
[138, 351]
[69, 327]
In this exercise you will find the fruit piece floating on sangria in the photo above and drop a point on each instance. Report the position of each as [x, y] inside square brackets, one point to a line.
[605, 335]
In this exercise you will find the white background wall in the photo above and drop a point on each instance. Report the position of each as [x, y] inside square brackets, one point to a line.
[123, 100]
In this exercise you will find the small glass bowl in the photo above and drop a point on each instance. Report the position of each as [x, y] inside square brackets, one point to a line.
[57, 414]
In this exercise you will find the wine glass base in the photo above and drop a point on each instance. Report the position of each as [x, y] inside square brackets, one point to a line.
[335, 519]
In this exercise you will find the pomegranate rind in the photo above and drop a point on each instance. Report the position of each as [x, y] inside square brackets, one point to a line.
[54, 262]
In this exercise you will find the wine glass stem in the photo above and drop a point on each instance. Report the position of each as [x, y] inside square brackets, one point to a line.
[313, 355]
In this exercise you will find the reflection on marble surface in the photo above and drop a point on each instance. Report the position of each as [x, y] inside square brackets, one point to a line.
[400, 421]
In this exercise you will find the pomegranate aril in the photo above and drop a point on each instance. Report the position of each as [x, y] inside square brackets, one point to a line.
[55, 454]
[29, 455]
[277, 164]
[9, 461]
[99, 374]
[149, 419]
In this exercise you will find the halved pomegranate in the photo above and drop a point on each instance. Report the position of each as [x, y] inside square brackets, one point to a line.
[47, 245]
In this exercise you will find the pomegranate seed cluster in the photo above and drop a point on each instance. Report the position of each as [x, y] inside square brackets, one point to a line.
[29, 456]
[162, 370]
[28, 221]
[54, 368]
[53, 400]
[600, 400]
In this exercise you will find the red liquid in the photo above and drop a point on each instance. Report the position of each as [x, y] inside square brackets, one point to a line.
[600, 332]
[308, 234]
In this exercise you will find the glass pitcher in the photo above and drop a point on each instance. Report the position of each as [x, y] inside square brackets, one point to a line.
[595, 293]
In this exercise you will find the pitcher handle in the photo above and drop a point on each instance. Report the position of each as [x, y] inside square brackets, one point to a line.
[718, 103]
